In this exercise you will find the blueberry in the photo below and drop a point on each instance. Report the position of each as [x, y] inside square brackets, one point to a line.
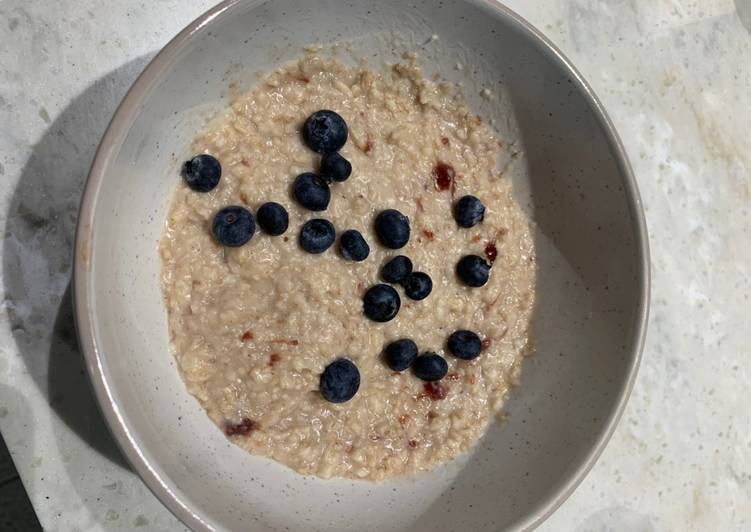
[317, 235]
[469, 211]
[430, 367]
[401, 354]
[465, 344]
[336, 167]
[417, 285]
[273, 218]
[340, 381]
[233, 226]
[312, 192]
[395, 270]
[473, 270]
[381, 303]
[353, 246]
[325, 131]
[392, 228]
[202, 173]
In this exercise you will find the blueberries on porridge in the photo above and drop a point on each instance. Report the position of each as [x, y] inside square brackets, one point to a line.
[401, 354]
[273, 218]
[311, 358]
[340, 381]
[312, 191]
[430, 367]
[353, 246]
[334, 167]
[469, 211]
[381, 303]
[392, 228]
[317, 235]
[233, 226]
[417, 285]
[202, 173]
[325, 131]
[397, 269]
[473, 270]
[464, 344]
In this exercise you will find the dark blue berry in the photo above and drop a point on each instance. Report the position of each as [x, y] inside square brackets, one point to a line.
[340, 381]
[400, 354]
[430, 367]
[317, 235]
[273, 218]
[465, 344]
[202, 173]
[381, 303]
[335, 167]
[325, 131]
[395, 270]
[417, 285]
[233, 226]
[473, 270]
[312, 192]
[353, 246]
[469, 211]
[392, 227]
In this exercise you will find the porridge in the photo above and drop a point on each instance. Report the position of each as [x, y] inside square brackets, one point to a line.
[298, 353]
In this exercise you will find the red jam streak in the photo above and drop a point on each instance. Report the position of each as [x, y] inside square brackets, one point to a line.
[435, 390]
[243, 428]
[444, 175]
[291, 343]
[491, 252]
[368, 144]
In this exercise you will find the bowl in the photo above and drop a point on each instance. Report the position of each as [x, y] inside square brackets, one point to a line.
[570, 172]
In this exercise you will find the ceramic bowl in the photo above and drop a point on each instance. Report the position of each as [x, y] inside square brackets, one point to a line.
[569, 170]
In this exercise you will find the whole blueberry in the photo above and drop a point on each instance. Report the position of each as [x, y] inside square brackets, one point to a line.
[392, 228]
[335, 167]
[353, 246]
[469, 211]
[417, 285]
[317, 235]
[473, 270]
[400, 354]
[395, 270]
[381, 303]
[465, 344]
[202, 173]
[430, 367]
[233, 226]
[311, 192]
[340, 381]
[325, 131]
[273, 218]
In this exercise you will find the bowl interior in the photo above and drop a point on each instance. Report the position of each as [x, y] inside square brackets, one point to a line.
[567, 173]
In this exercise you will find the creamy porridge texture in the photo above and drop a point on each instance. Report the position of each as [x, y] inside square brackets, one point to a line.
[253, 327]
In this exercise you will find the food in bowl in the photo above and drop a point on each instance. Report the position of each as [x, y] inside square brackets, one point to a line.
[369, 320]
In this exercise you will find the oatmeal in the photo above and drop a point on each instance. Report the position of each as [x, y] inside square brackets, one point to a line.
[254, 326]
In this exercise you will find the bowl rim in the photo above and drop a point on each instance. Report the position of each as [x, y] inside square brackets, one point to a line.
[109, 146]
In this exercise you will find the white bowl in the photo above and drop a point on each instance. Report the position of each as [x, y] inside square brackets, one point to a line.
[592, 283]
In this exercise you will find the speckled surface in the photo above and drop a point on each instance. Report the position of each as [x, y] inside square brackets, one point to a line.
[670, 75]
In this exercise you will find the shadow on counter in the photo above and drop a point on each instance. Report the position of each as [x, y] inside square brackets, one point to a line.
[38, 249]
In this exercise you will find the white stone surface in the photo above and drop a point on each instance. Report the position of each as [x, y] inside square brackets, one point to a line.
[675, 76]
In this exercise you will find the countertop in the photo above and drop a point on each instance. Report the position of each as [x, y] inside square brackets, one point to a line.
[675, 78]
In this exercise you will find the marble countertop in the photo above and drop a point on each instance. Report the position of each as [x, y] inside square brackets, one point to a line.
[675, 78]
